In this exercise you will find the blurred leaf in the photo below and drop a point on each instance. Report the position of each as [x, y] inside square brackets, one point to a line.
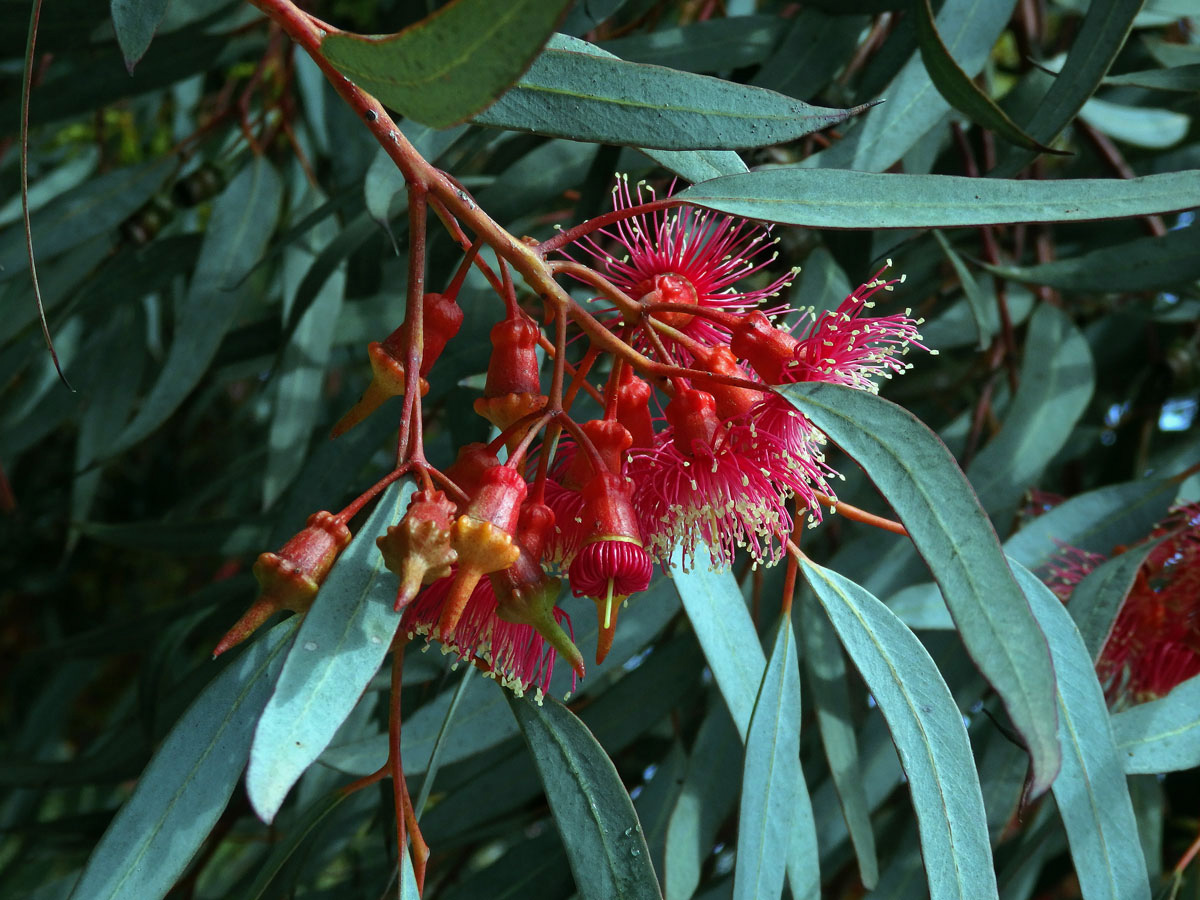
[1185, 79]
[1162, 735]
[974, 296]
[959, 89]
[338, 648]
[826, 668]
[771, 779]
[451, 65]
[1145, 263]
[93, 208]
[809, 53]
[927, 729]
[603, 838]
[925, 487]
[829, 198]
[969, 29]
[704, 802]
[589, 97]
[184, 789]
[1137, 125]
[710, 45]
[135, 22]
[1057, 382]
[1096, 521]
[1091, 792]
[242, 221]
[657, 799]
[1099, 39]
[1097, 599]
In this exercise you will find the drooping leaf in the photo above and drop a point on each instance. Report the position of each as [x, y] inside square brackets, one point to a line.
[184, 789]
[929, 493]
[1162, 735]
[1091, 792]
[958, 88]
[243, 218]
[135, 22]
[451, 65]
[1097, 599]
[928, 732]
[830, 198]
[1056, 385]
[606, 848]
[588, 97]
[339, 647]
[771, 778]
[1147, 263]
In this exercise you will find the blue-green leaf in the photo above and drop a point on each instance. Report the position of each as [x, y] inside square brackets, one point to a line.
[1097, 599]
[185, 787]
[340, 646]
[1162, 735]
[1091, 793]
[928, 731]
[593, 812]
[924, 485]
[135, 22]
[771, 778]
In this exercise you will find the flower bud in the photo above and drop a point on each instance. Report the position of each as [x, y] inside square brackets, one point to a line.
[418, 547]
[768, 349]
[633, 408]
[387, 381]
[693, 416]
[731, 401]
[291, 578]
[513, 387]
[526, 595]
[467, 470]
[611, 440]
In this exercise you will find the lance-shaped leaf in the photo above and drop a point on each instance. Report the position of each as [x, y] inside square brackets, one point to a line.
[344, 638]
[928, 731]
[452, 64]
[833, 198]
[185, 787]
[135, 22]
[1097, 599]
[1162, 735]
[771, 777]
[1091, 792]
[601, 832]
[1143, 264]
[930, 494]
[959, 89]
[593, 97]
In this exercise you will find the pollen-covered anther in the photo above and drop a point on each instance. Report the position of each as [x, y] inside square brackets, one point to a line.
[418, 548]
[291, 578]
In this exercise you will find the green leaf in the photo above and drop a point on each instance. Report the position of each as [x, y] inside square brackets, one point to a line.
[601, 832]
[1185, 78]
[771, 777]
[589, 97]
[1162, 735]
[970, 29]
[711, 45]
[928, 732]
[826, 668]
[135, 22]
[959, 88]
[704, 801]
[919, 477]
[184, 789]
[1091, 792]
[1057, 382]
[1143, 264]
[338, 649]
[1140, 126]
[95, 207]
[452, 64]
[1096, 521]
[974, 296]
[829, 198]
[243, 219]
[1097, 599]
[810, 52]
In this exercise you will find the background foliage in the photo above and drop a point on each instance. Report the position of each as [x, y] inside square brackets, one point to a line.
[217, 239]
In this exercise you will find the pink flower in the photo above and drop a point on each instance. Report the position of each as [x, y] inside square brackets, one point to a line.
[687, 257]
[516, 655]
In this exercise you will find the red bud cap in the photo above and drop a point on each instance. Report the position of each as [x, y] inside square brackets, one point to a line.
[467, 470]
[290, 578]
[443, 318]
[418, 547]
[513, 368]
[731, 401]
[768, 349]
[693, 415]
[611, 440]
[633, 408]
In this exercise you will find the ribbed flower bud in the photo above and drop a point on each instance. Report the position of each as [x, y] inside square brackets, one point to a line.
[291, 578]
[612, 564]
[418, 547]
[611, 440]
[513, 388]
[483, 537]
[768, 349]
